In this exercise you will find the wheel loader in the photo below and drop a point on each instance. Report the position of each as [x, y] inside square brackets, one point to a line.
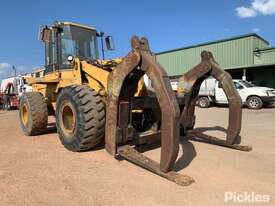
[96, 100]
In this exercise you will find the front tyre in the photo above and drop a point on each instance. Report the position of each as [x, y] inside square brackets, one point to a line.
[80, 118]
[204, 102]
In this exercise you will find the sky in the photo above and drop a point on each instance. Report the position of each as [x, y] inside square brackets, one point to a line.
[167, 24]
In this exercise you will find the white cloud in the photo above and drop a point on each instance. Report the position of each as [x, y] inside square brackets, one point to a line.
[6, 69]
[257, 7]
[4, 65]
[264, 7]
[256, 30]
[244, 12]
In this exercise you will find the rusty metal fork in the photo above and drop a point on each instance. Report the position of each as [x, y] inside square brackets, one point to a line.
[189, 86]
[142, 59]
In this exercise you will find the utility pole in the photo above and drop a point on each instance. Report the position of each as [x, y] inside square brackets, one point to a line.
[14, 69]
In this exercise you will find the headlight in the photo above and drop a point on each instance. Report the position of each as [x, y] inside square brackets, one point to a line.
[270, 92]
[70, 58]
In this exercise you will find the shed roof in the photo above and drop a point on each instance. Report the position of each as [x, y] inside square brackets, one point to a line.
[215, 42]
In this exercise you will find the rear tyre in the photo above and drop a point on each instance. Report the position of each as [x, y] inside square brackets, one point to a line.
[254, 102]
[33, 113]
[7, 105]
[80, 118]
[204, 102]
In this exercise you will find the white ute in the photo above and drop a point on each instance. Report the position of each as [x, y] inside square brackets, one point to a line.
[253, 97]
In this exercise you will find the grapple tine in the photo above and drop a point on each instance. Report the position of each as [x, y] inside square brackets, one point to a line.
[198, 136]
[234, 101]
[188, 88]
[139, 159]
[115, 82]
[170, 111]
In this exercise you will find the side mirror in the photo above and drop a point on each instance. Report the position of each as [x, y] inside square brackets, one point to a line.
[45, 34]
[109, 43]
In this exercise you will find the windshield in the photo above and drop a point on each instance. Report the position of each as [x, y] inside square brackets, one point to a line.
[247, 84]
[78, 42]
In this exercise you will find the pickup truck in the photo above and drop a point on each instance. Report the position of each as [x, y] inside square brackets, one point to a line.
[252, 96]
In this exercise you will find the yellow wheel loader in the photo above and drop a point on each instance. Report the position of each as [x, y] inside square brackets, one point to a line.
[97, 100]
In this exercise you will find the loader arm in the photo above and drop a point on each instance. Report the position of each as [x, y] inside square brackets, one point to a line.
[97, 77]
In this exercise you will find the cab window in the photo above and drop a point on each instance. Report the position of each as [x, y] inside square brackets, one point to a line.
[238, 85]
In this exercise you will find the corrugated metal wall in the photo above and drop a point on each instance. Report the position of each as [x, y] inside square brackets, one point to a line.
[259, 43]
[264, 57]
[229, 54]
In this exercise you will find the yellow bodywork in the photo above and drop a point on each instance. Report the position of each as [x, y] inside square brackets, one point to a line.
[95, 77]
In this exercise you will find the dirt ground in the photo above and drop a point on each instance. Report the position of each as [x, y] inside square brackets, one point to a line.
[39, 171]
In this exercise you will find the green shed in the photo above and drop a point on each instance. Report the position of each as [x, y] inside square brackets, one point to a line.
[248, 57]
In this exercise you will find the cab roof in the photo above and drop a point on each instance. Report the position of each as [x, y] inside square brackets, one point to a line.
[75, 24]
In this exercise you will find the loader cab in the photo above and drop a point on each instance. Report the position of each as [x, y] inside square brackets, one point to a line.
[66, 41]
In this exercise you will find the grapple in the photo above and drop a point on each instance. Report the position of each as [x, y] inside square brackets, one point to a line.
[189, 86]
[120, 135]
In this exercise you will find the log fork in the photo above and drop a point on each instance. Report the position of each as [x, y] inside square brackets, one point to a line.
[122, 84]
[189, 86]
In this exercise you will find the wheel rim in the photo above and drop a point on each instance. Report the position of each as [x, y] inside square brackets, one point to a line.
[68, 118]
[254, 103]
[202, 103]
[25, 114]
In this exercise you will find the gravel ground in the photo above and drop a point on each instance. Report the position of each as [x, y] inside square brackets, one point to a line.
[39, 171]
